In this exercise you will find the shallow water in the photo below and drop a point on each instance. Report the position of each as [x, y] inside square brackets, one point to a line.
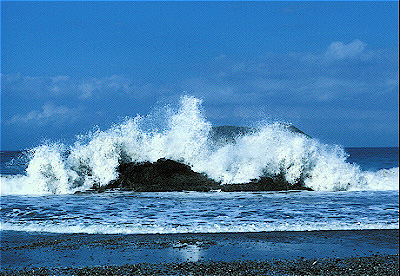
[23, 249]
[194, 212]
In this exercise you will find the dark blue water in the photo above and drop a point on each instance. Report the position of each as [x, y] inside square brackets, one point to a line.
[374, 159]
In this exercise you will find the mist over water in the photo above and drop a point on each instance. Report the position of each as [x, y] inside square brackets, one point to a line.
[184, 135]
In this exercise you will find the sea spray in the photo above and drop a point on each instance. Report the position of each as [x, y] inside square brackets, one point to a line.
[185, 136]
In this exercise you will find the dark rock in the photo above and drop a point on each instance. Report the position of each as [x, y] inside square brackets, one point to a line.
[163, 175]
[266, 183]
[168, 175]
[228, 134]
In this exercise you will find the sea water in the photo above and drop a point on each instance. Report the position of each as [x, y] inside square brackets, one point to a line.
[355, 188]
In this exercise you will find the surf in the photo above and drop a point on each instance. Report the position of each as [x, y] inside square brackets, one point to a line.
[183, 134]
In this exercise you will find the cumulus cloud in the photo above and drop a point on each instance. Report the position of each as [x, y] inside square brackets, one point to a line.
[49, 113]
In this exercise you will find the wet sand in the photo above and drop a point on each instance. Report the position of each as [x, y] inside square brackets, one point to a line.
[367, 252]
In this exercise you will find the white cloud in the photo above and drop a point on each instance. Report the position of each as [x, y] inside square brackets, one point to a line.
[48, 114]
[106, 85]
[86, 89]
[66, 86]
[339, 50]
[338, 73]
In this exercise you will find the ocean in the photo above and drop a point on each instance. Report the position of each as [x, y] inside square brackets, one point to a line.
[352, 188]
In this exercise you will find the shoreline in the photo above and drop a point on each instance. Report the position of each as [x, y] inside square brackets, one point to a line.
[373, 265]
[24, 251]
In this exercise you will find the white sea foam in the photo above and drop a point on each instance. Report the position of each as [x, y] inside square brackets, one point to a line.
[211, 228]
[270, 150]
[181, 212]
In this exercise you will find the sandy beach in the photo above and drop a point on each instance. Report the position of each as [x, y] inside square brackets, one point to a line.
[361, 252]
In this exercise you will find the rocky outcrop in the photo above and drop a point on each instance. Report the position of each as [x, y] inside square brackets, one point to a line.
[161, 176]
[168, 175]
[230, 133]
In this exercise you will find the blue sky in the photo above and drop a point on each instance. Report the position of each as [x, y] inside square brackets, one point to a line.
[330, 68]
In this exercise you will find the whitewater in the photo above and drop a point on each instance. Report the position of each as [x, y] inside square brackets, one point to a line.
[38, 191]
[183, 135]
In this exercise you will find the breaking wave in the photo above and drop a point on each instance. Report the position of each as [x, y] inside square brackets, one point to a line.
[184, 135]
